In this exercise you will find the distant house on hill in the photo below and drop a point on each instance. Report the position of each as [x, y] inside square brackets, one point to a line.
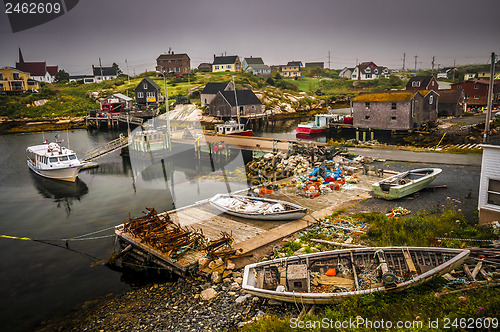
[228, 104]
[470, 76]
[451, 102]
[148, 92]
[226, 63]
[366, 71]
[346, 72]
[85, 79]
[117, 98]
[205, 67]
[443, 73]
[255, 66]
[422, 83]
[210, 91]
[394, 110]
[104, 73]
[39, 71]
[315, 64]
[489, 185]
[13, 80]
[291, 70]
[173, 64]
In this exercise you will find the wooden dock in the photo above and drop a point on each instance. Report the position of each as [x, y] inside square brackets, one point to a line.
[249, 235]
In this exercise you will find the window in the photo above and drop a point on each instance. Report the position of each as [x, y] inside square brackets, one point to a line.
[15, 76]
[476, 86]
[368, 75]
[367, 106]
[367, 117]
[476, 97]
[216, 67]
[393, 106]
[150, 94]
[393, 118]
[140, 94]
[72, 157]
[459, 86]
[431, 99]
[1, 76]
[63, 158]
[145, 86]
[53, 159]
[494, 192]
[415, 84]
[228, 66]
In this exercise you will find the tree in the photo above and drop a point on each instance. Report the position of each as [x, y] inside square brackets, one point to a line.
[61, 76]
[118, 70]
[270, 81]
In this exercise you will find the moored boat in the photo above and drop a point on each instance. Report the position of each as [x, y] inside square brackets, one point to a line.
[232, 127]
[53, 161]
[257, 207]
[331, 276]
[406, 183]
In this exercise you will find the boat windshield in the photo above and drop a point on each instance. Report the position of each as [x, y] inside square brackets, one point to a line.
[72, 157]
[53, 159]
[63, 158]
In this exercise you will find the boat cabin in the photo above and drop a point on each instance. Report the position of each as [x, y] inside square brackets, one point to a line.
[51, 155]
[229, 128]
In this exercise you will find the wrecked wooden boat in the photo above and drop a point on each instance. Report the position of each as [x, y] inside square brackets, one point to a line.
[257, 207]
[406, 183]
[331, 276]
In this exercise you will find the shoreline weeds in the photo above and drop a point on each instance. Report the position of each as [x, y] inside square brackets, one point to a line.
[27, 126]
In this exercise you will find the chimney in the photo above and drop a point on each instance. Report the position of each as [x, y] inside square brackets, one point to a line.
[214, 56]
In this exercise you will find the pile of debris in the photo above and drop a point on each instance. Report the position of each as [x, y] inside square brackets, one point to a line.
[162, 233]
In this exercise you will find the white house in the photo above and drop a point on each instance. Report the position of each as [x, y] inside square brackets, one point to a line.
[489, 185]
[369, 71]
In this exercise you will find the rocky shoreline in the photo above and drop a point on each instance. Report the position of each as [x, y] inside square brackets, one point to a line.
[190, 304]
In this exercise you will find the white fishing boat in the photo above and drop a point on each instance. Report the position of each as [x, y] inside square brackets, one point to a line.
[232, 127]
[53, 161]
[331, 276]
[257, 207]
[406, 183]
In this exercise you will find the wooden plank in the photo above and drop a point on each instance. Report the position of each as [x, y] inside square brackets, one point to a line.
[476, 270]
[409, 261]
[468, 272]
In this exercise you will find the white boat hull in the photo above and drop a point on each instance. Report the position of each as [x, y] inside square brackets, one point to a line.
[297, 212]
[65, 174]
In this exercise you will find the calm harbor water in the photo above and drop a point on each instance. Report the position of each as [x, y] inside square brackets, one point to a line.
[40, 280]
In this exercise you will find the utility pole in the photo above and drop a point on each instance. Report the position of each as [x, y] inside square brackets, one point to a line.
[404, 61]
[128, 76]
[167, 114]
[490, 98]
[432, 65]
[416, 57]
[454, 68]
[100, 65]
[329, 60]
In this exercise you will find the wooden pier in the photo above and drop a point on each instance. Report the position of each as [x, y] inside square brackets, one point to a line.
[249, 235]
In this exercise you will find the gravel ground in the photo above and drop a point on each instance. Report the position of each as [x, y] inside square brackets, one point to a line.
[172, 306]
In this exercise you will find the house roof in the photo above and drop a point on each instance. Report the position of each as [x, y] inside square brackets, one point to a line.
[245, 97]
[450, 96]
[385, 96]
[121, 96]
[106, 71]
[34, 68]
[213, 88]
[225, 60]
[52, 70]
[294, 63]
[315, 64]
[150, 81]
[13, 69]
[424, 81]
[254, 61]
[172, 56]
[424, 93]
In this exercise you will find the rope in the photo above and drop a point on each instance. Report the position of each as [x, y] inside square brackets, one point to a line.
[76, 238]
[470, 240]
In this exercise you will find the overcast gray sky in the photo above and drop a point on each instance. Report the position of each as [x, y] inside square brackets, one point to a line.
[276, 30]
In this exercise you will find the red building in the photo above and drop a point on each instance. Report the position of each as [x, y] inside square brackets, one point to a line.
[173, 64]
[476, 92]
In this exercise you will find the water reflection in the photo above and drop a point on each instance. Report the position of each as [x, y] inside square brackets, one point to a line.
[61, 192]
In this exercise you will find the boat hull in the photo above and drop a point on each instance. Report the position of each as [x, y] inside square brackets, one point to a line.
[243, 133]
[297, 213]
[64, 174]
[309, 130]
[250, 274]
[398, 191]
